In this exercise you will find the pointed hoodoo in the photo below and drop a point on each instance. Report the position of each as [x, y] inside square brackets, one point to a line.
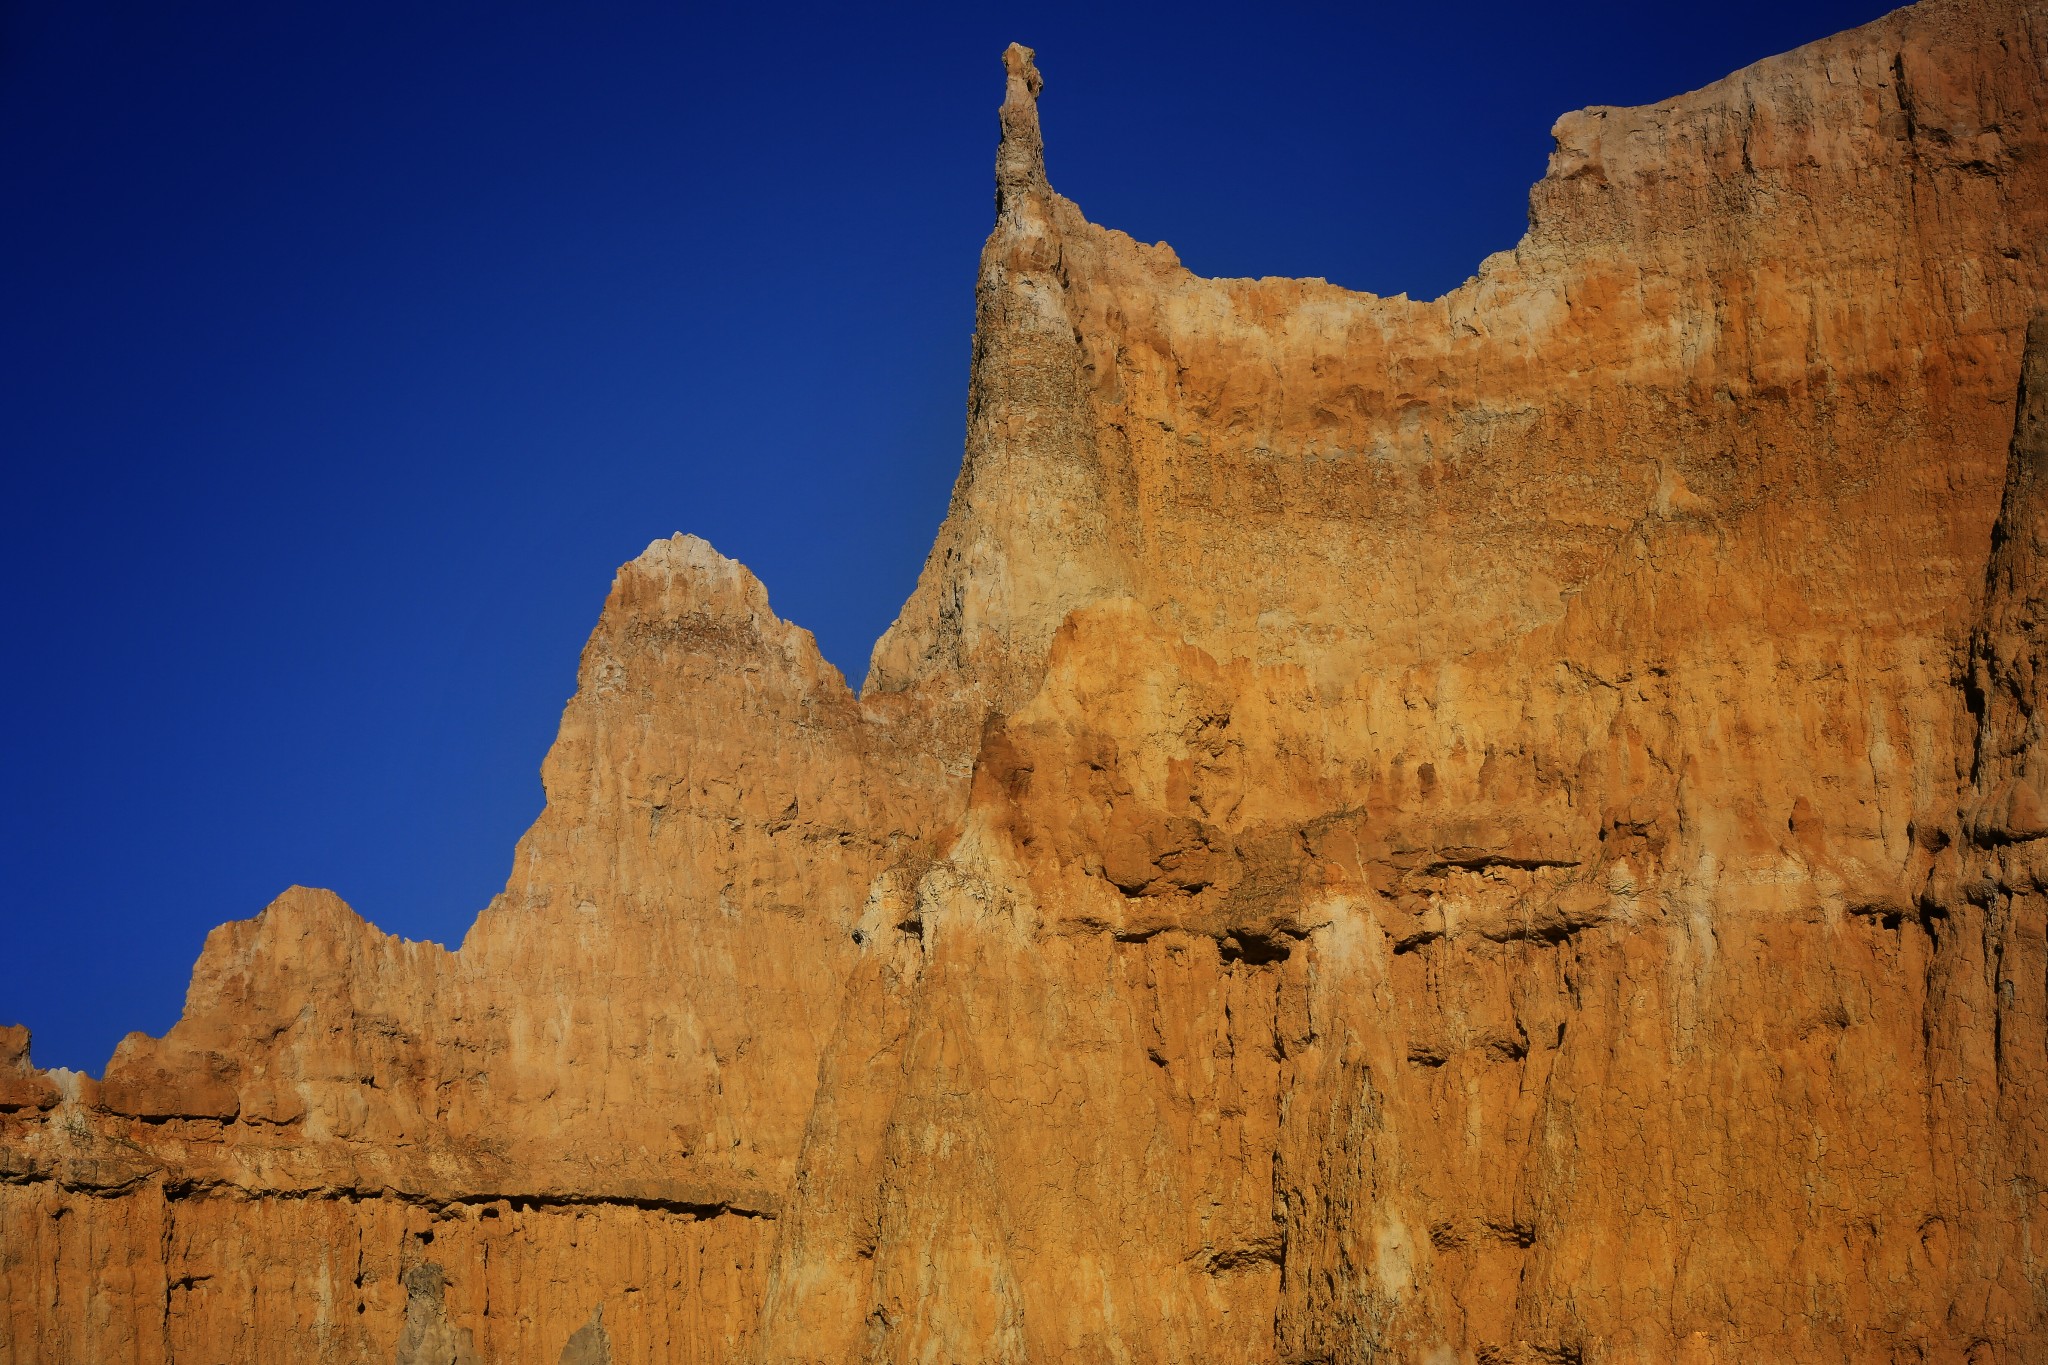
[1033, 531]
[1020, 160]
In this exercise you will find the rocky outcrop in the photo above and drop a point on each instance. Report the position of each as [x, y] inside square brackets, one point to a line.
[1507, 828]
[614, 1070]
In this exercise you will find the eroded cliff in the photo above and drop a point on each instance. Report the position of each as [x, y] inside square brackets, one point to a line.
[1509, 828]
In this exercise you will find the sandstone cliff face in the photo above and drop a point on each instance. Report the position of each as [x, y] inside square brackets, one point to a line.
[1511, 828]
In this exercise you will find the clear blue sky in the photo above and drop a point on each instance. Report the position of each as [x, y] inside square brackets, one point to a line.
[345, 349]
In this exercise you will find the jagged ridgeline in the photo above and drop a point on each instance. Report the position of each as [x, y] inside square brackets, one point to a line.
[1510, 828]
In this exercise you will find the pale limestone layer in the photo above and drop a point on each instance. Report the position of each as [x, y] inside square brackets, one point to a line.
[1511, 828]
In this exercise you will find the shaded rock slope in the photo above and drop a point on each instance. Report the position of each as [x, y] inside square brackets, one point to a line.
[1504, 829]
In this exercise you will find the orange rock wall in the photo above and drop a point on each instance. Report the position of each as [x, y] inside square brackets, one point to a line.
[1510, 828]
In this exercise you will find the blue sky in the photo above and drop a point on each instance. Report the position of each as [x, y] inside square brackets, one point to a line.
[345, 350]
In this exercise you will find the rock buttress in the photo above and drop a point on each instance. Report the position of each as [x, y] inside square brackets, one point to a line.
[596, 1102]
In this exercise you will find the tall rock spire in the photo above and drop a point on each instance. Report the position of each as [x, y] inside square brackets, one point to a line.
[1030, 534]
[1020, 159]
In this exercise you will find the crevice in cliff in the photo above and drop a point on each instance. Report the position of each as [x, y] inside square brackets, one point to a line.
[1454, 1234]
[164, 1261]
[1224, 1260]
[1541, 933]
[175, 1190]
[1252, 947]
[1255, 948]
[112, 1189]
[1421, 938]
[1459, 861]
[699, 1210]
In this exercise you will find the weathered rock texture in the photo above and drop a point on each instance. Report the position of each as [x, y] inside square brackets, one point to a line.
[1507, 829]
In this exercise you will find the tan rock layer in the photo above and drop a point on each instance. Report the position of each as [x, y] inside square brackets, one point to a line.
[1508, 828]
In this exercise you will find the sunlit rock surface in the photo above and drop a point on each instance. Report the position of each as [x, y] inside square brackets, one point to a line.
[1510, 829]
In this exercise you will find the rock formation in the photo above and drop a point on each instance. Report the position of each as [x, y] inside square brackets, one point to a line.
[1504, 829]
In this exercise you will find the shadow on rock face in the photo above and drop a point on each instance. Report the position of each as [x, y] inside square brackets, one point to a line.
[589, 1345]
[430, 1338]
